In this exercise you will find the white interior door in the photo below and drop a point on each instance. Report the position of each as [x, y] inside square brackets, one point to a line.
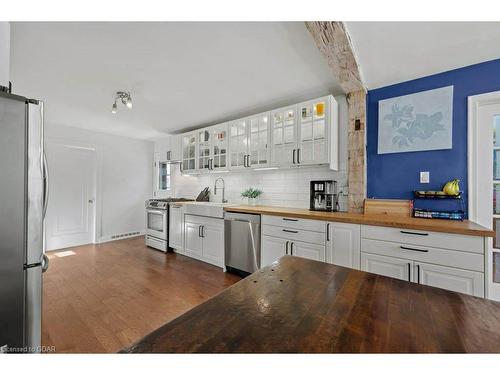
[484, 178]
[71, 211]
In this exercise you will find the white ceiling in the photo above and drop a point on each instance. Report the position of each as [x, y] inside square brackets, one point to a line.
[186, 75]
[180, 75]
[392, 52]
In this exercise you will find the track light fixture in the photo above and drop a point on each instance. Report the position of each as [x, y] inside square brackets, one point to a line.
[124, 97]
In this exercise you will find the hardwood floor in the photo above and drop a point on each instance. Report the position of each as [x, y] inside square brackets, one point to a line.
[105, 297]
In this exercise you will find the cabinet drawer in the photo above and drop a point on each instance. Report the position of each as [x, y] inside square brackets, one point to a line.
[294, 234]
[462, 281]
[473, 244]
[387, 266]
[295, 223]
[203, 220]
[445, 257]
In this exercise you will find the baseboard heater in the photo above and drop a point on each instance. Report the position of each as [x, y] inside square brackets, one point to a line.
[123, 235]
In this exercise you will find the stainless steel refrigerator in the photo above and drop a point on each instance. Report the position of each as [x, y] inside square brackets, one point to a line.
[23, 201]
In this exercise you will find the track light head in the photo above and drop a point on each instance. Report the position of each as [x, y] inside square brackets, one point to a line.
[125, 98]
[128, 102]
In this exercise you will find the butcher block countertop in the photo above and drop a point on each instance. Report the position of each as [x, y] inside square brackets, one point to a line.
[298, 305]
[434, 225]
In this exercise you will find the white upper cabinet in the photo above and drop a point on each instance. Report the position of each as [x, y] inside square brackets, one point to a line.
[212, 146]
[220, 147]
[249, 142]
[169, 148]
[313, 132]
[258, 141]
[189, 154]
[300, 134]
[284, 136]
[174, 153]
[204, 138]
[238, 142]
[305, 134]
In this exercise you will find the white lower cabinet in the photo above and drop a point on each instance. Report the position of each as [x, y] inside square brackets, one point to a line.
[457, 280]
[176, 227]
[204, 239]
[387, 266]
[213, 243]
[343, 244]
[454, 279]
[449, 261]
[193, 240]
[273, 248]
[292, 236]
[307, 250]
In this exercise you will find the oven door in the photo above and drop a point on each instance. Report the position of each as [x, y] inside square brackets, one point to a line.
[157, 223]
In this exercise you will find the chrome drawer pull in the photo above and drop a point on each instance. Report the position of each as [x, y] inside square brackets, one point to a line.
[412, 249]
[414, 233]
[290, 231]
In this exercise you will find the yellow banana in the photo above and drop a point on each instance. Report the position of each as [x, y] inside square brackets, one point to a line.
[452, 187]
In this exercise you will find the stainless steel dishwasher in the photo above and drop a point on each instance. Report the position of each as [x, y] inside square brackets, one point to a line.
[242, 242]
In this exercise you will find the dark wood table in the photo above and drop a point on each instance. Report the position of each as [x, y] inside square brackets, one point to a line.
[304, 306]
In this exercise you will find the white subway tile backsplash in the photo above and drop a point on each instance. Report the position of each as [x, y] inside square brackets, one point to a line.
[289, 188]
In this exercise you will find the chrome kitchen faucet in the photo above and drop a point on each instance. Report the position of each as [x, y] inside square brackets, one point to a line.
[223, 188]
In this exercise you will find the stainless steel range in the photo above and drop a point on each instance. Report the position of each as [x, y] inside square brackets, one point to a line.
[157, 214]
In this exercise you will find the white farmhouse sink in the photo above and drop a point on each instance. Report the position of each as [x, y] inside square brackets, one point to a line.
[211, 209]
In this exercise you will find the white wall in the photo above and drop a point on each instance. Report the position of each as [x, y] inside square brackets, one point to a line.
[4, 53]
[281, 187]
[124, 175]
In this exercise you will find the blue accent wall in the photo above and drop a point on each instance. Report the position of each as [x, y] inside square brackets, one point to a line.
[397, 175]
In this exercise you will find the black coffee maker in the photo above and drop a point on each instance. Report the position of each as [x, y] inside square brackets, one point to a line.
[324, 196]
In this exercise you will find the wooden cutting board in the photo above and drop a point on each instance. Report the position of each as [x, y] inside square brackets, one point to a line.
[395, 207]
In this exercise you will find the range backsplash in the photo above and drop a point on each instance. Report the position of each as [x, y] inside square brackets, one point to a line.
[288, 188]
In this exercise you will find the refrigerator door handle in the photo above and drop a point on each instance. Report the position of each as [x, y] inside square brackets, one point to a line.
[45, 263]
[45, 184]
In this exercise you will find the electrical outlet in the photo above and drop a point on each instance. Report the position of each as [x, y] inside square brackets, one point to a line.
[425, 177]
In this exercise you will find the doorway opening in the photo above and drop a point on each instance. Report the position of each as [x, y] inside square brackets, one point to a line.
[71, 212]
[484, 178]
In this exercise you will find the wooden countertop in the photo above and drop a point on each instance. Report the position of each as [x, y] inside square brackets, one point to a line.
[434, 225]
[303, 306]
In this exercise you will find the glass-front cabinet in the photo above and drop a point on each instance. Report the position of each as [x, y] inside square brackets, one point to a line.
[219, 147]
[258, 141]
[212, 148]
[238, 144]
[204, 149]
[189, 153]
[249, 142]
[284, 136]
[300, 134]
[312, 146]
[287, 137]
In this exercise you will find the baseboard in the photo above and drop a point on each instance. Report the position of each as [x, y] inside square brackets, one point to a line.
[121, 236]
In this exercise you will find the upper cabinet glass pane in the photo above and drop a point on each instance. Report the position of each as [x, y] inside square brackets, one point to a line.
[496, 131]
[496, 199]
[254, 125]
[233, 130]
[319, 109]
[496, 164]
[306, 113]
